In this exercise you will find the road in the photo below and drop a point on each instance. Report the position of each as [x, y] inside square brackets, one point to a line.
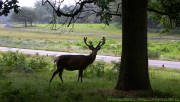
[156, 63]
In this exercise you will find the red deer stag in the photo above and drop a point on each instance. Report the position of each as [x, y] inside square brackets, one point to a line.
[77, 62]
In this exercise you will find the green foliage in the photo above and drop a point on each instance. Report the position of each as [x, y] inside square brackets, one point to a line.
[38, 63]
[1, 71]
[153, 54]
[7, 6]
[114, 45]
[116, 66]
[164, 49]
[14, 61]
[166, 11]
[95, 70]
[100, 70]
[104, 6]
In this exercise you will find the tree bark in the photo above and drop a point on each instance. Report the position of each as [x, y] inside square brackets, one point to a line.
[31, 24]
[133, 73]
[25, 23]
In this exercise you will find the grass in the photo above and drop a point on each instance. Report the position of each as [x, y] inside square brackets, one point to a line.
[79, 31]
[20, 85]
[25, 87]
[42, 37]
[36, 87]
[166, 81]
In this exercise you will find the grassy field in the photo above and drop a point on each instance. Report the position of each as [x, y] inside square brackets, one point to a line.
[42, 37]
[27, 80]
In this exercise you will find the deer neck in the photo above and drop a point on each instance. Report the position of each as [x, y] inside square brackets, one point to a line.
[92, 57]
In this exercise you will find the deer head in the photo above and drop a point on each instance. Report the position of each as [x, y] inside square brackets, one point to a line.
[92, 48]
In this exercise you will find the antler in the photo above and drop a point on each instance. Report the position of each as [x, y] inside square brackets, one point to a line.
[89, 45]
[101, 43]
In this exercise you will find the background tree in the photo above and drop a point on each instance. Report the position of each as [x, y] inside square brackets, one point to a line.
[44, 13]
[26, 15]
[165, 11]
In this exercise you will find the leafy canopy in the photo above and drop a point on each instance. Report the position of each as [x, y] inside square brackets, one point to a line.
[8, 5]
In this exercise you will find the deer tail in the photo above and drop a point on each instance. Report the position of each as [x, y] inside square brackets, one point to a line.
[56, 59]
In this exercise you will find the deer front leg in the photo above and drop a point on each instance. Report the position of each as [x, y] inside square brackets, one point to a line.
[80, 75]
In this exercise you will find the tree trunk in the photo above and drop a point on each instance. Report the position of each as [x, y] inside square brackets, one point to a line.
[134, 60]
[31, 24]
[25, 23]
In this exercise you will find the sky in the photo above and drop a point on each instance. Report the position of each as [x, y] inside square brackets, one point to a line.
[30, 3]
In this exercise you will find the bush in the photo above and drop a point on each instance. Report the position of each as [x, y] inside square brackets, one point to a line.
[38, 63]
[96, 70]
[116, 66]
[100, 70]
[1, 71]
[164, 49]
[153, 54]
[14, 61]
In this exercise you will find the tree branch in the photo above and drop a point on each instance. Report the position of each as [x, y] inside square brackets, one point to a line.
[61, 13]
[115, 14]
[156, 11]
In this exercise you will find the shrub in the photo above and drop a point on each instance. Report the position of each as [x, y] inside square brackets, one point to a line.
[38, 63]
[96, 69]
[116, 66]
[12, 61]
[153, 54]
[1, 71]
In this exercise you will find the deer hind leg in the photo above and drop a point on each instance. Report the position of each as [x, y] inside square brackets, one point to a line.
[80, 75]
[54, 75]
[60, 75]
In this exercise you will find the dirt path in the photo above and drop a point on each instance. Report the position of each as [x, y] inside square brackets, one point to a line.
[157, 63]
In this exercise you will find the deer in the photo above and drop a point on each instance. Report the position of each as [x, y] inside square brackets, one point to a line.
[77, 62]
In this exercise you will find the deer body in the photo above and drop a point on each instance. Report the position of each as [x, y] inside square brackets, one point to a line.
[76, 62]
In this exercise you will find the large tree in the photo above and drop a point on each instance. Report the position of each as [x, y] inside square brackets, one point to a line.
[134, 59]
